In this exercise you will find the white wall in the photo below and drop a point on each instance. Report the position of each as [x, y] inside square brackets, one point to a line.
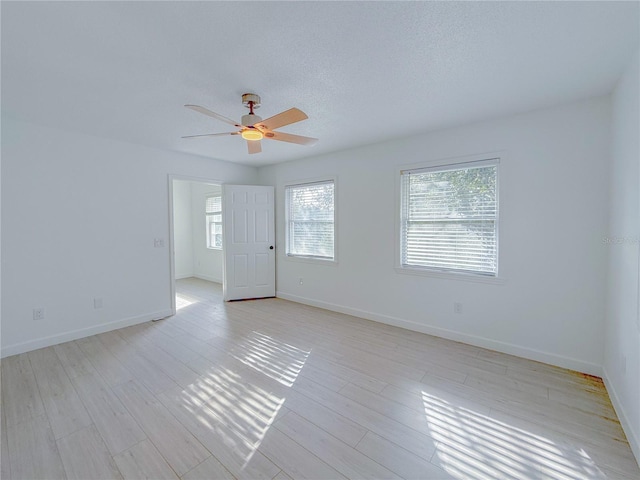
[553, 199]
[79, 219]
[622, 339]
[207, 262]
[182, 229]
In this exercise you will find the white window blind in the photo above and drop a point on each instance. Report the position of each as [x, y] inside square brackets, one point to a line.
[310, 219]
[449, 218]
[213, 211]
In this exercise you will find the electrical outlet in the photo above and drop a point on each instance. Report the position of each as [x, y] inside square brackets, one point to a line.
[158, 242]
[457, 307]
[38, 313]
[301, 281]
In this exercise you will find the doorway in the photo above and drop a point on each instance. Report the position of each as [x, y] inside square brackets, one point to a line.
[223, 234]
[195, 233]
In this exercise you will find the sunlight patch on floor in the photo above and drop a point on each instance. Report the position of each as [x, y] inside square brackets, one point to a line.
[275, 359]
[477, 447]
[184, 301]
[234, 411]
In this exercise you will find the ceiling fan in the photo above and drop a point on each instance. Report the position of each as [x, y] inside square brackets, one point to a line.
[253, 129]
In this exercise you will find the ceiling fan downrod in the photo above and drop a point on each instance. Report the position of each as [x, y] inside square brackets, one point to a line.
[251, 101]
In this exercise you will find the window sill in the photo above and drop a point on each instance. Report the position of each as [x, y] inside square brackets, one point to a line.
[465, 277]
[312, 260]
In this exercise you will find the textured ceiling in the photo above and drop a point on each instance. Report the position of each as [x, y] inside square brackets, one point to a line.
[362, 71]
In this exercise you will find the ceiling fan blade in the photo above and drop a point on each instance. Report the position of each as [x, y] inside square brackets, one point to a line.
[254, 146]
[288, 137]
[288, 117]
[211, 135]
[208, 112]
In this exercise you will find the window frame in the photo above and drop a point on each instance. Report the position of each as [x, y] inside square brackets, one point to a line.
[493, 158]
[309, 258]
[211, 245]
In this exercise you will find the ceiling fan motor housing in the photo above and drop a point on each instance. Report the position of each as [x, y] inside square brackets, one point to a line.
[250, 120]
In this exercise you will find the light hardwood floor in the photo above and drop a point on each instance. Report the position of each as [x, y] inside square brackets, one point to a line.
[271, 389]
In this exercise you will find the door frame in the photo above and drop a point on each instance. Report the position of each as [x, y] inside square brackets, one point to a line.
[172, 254]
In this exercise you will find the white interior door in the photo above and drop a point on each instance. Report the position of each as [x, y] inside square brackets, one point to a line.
[249, 242]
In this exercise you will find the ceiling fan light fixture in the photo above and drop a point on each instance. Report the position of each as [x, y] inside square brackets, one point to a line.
[252, 134]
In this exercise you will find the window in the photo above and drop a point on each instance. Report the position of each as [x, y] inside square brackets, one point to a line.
[213, 211]
[449, 218]
[310, 220]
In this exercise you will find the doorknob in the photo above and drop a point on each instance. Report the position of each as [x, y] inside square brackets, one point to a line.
[271, 247]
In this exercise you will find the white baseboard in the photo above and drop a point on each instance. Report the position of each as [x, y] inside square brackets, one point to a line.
[511, 349]
[80, 333]
[207, 277]
[632, 436]
[180, 276]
